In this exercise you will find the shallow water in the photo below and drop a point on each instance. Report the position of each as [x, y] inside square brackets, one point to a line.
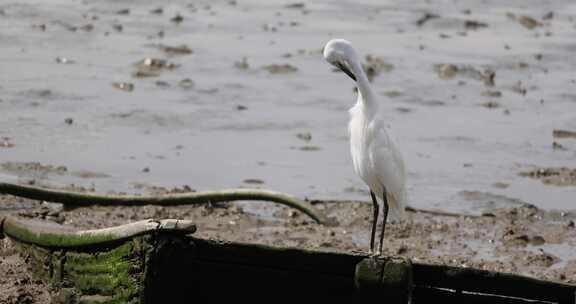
[172, 136]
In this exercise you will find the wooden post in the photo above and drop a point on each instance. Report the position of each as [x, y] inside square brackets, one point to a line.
[387, 278]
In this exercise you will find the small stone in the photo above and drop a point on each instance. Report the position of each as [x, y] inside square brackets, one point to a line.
[253, 181]
[447, 71]
[87, 27]
[299, 5]
[124, 86]
[280, 68]
[177, 19]
[305, 136]
[157, 11]
[162, 84]
[529, 22]
[242, 64]
[186, 83]
[177, 50]
[473, 25]
[491, 104]
[64, 60]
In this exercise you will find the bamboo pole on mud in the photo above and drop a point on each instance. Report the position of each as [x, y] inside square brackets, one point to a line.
[88, 199]
[45, 234]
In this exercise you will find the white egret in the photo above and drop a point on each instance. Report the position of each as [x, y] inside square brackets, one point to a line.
[375, 156]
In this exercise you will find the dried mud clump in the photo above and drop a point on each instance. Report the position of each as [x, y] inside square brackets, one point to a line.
[553, 176]
[374, 66]
[474, 25]
[425, 18]
[449, 71]
[563, 134]
[280, 68]
[32, 167]
[176, 50]
[526, 21]
[151, 67]
[123, 86]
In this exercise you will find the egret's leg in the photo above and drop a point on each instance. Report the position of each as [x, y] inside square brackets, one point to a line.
[374, 221]
[385, 200]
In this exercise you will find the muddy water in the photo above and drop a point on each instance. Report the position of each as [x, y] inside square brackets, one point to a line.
[236, 120]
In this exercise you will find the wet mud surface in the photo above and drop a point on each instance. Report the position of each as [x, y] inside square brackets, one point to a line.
[519, 239]
[16, 283]
[212, 94]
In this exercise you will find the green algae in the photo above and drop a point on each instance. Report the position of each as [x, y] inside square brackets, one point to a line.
[114, 275]
[24, 234]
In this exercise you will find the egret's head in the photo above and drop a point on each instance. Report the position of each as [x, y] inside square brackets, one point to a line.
[339, 53]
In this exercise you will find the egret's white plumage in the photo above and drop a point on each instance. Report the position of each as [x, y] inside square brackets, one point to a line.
[375, 155]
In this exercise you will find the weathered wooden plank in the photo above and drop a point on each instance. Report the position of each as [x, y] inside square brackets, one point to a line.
[434, 295]
[179, 266]
[386, 278]
[495, 283]
[277, 257]
[160, 262]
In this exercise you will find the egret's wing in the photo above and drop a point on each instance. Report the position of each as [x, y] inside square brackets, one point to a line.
[389, 167]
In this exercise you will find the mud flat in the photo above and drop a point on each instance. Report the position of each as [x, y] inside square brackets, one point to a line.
[134, 95]
[522, 239]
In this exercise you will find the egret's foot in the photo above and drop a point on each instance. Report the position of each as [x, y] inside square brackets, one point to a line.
[373, 254]
[381, 250]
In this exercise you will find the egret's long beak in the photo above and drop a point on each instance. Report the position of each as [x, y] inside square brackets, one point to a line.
[346, 70]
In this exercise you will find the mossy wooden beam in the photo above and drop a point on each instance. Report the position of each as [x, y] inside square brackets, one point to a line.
[115, 275]
[112, 275]
[54, 236]
[227, 195]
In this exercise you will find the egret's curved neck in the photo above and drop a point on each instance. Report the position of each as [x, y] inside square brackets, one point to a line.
[366, 97]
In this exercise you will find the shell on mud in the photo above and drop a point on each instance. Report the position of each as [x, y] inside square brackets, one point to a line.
[124, 86]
